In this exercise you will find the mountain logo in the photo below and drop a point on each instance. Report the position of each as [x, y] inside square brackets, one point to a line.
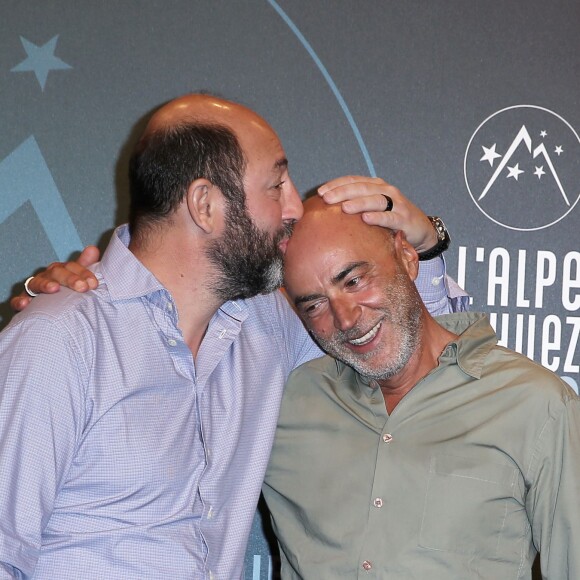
[522, 168]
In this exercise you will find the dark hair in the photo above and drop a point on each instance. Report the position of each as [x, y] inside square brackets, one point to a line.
[166, 161]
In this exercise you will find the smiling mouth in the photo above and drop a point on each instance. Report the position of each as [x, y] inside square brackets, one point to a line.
[367, 337]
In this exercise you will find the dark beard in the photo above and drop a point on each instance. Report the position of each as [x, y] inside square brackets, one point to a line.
[248, 260]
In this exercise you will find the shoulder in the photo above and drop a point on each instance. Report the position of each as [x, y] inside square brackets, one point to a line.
[315, 378]
[325, 366]
[275, 312]
[538, 386]
[65, 316]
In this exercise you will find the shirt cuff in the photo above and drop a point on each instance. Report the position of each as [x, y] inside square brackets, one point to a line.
[440, 293]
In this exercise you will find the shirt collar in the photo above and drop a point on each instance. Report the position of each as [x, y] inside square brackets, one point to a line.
[476, 339]
[137, 281]
[124, 274]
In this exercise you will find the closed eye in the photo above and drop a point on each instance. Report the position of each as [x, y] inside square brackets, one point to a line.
[353, 281]
[311, 309]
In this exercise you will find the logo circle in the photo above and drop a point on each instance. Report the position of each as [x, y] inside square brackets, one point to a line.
[520, 167]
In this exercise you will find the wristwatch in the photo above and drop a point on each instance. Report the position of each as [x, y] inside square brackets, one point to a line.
[443, 240]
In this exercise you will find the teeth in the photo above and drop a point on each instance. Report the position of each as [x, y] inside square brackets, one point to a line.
[367, 337]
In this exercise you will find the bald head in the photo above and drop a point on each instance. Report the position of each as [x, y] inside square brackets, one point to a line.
[203, 108]
[326, 224]
[192, 137]
[352, 285]
[205, 137]
[327, 242]
[325, 232]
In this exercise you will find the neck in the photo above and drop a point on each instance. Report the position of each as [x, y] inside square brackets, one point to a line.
[433, 339]
[184, 271]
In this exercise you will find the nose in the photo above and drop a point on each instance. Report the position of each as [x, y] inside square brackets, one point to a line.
[292, 209]
[346, 313]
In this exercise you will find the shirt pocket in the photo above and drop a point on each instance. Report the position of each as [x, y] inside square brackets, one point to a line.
[466, 505]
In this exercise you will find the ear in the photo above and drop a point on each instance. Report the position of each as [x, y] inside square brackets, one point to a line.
[407, 254]
[205, 204]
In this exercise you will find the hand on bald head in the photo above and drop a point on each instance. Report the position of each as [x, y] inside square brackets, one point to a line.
[326, 239]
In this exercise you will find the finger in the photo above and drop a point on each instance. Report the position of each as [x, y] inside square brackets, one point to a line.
[89, 256]
[70, 274]
[20, 302]
[347, 180]
[373, 203]
[385, 219]
[73, 274]
[359, 189]
[349, 187]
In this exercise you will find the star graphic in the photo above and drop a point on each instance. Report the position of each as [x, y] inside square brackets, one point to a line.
[514, 171]
[543, 133]
[559, 150]
[489, 154]
[40, 60]
[539, 171]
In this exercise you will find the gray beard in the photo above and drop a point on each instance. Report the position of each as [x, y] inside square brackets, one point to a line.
[404, 313]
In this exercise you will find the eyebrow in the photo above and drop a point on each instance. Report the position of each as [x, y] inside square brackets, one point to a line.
[335, 280]
[281, 163]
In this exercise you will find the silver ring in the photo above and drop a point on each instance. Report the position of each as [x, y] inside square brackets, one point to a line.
[28, 290]
[389, 202]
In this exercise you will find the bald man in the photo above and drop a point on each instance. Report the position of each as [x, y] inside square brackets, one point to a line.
[136, 419]
[422, 449]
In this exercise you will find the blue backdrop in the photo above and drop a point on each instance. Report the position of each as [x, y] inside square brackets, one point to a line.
[471, 108]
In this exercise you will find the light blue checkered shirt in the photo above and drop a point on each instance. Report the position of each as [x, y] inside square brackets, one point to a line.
[120, 458]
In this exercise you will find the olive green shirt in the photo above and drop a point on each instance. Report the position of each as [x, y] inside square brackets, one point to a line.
[475, 470]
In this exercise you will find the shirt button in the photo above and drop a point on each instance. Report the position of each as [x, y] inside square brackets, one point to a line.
[210, 513]
[387, 437]
[169, 306]
[367, 565]
[378, 502]
[436, 281]
[172, 342]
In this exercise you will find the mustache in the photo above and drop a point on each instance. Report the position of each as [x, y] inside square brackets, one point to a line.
[356, 331]
[285, 231]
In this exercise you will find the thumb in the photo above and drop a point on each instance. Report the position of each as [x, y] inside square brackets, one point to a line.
[89, 256]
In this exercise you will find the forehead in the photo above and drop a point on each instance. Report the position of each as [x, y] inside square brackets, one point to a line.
[323, 245]
[261, 146]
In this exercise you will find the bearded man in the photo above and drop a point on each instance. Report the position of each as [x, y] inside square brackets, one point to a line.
[422, 449]
[136, 419]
